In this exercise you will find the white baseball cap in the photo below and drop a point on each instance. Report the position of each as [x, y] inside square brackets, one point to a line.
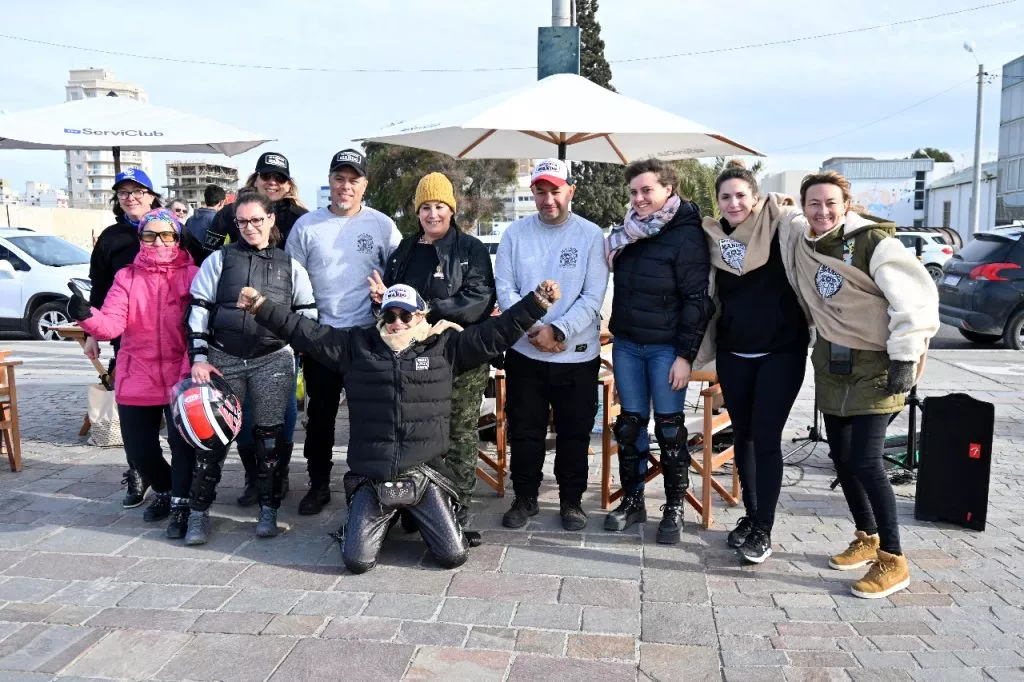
[402, 296]
[554, 171]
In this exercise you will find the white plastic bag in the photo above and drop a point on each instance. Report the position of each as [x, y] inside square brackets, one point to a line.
[105, 431]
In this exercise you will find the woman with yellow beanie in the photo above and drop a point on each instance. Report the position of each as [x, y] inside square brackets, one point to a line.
[452, 271]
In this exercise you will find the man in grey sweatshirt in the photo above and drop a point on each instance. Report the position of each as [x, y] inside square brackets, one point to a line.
[339, 246]
[555, 367]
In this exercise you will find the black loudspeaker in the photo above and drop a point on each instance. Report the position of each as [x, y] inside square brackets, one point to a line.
[956, 460]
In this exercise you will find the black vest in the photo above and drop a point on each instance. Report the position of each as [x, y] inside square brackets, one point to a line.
[269, 271]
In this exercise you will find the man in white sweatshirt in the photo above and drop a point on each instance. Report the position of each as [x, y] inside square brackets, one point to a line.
[553, 368]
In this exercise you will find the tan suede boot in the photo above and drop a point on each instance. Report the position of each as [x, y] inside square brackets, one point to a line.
[887, 575]
[861, 552]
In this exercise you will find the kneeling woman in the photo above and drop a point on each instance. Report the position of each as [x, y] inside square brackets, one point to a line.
[398, 379]
[226, 340]
[875, 308]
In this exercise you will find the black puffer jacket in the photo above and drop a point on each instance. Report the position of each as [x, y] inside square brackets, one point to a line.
[466, 294]
[223, 230]
[661, 286]
[115, 248]
[399, 403]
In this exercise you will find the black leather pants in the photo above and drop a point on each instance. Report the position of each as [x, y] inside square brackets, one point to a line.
[368, 523]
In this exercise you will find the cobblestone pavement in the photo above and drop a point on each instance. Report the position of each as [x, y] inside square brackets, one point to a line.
[88, 590]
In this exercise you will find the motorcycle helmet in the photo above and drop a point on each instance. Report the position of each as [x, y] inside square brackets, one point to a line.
[207, 415]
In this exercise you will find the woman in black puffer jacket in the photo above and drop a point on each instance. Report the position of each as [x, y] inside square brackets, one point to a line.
[660, 310]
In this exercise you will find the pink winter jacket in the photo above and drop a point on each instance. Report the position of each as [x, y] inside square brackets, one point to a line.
[146, 308]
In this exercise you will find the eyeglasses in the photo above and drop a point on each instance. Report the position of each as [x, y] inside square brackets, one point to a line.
[168, 237]
[181, 211]
[240, 223]
[392, 314]
[123, 194]
[273, 177]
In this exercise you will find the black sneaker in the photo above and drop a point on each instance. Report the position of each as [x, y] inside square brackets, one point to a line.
[179, 521]
[158, 509]
[520, 512]
[573, 516]
[757, 547]
[137, 487]
[739, 534]
[318, 496]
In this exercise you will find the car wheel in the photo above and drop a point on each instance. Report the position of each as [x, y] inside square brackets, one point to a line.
[975, 337]
[935, 271]
[1013, 335]
[46, 316]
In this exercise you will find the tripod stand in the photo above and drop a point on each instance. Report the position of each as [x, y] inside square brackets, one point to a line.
[813, 432]
[909, 462]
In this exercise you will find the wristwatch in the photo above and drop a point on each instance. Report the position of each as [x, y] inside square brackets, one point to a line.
[558, 334]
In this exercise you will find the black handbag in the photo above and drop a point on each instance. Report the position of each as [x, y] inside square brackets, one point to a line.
[405, 491]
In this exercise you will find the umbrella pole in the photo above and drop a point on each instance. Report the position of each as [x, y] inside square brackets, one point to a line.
[117, 160]
[561, 151]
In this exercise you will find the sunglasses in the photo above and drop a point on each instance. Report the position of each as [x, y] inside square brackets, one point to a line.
[273, 177]
[181, 211]
[392, 314]
[168, 237]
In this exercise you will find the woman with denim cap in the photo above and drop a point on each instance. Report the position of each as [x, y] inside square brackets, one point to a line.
[660, 311]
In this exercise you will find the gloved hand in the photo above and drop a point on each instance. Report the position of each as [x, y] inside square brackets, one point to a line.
[78, 307]
[901, 376]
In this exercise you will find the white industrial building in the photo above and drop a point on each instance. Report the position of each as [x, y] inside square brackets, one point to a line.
[784, 182]
[949, 200]
[895, 189]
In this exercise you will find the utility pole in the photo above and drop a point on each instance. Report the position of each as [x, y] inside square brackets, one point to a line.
[976, 184]
[558, 46]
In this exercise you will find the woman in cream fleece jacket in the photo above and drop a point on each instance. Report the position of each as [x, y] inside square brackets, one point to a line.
[875, 309]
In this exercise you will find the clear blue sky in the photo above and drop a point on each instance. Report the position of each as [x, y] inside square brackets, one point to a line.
[773, 98]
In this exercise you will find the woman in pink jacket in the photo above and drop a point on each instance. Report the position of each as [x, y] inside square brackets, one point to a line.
[146, 307]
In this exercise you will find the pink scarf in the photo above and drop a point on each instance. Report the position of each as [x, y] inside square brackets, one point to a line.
[634, 228]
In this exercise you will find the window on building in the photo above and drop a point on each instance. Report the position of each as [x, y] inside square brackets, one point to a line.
[919, 223]
[947, 211]
[919, 190]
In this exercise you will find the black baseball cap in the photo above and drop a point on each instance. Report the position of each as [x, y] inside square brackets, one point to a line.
[349, 157]
[272, 162]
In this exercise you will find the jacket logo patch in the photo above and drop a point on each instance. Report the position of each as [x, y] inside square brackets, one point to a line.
[733, 253]
[364, 243]
[422, 363]
[828, 282]
[569, 258]
[581, 348]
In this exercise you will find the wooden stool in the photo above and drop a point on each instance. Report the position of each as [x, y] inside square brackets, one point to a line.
[10, 434]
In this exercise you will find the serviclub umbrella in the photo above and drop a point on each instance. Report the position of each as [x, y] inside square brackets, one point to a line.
[564, 114]
[118, 123]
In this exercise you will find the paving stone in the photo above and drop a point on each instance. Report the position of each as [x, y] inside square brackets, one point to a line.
[391, 579]
[936, 659]
[599, 592]
[134, 654]
[601, 646]
[71, 566]
[749, 674]
[418, 607]
[667, 663]
[30, 589]
[22, 612]
[802, 600]
[287, 577]
[313, 660]
[884, 659]
[102, 593]
[457, 665]
[185, 572]
[143, 619]
[821, 659]
[231, 623]
[228, 658]
[548, 616]
[609, 620]
[475, 611]
[684, 587]
[255, 600]
[330, 604]
[10, 557]
[815, 629]
[156, 545]
[580, 562]
[383, 629]
[210, 598]
[678, 624]
[990, 658]
[294, 626]
[285, 549]
[501, 639]
[83, 541]
[158, 596]
[504, 587]
[62, 659]
[529, 668]
[921, 599]
[869, 629]
[805, 643]
[72, 615]
[749, 657]
[47, 643]
[437, 634]
[898, 643]
[541, 642]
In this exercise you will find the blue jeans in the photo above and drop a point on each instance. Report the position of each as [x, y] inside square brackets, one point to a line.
[641, 377]
[291, 416]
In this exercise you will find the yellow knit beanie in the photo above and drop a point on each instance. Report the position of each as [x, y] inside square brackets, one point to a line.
[435, 187]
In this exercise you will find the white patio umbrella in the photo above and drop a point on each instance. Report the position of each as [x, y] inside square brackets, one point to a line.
[121, 123]
[564, 114]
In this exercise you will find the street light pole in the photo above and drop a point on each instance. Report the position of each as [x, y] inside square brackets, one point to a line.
[976, 184]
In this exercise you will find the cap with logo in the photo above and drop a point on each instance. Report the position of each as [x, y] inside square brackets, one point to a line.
[402, 296]
[133, 175]
[554, 171]
[272, 162]
[351, 158]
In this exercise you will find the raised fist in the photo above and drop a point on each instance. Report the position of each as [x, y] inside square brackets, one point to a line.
[249, 299]
[548, 290]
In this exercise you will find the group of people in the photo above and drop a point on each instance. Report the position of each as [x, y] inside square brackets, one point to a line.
[408, 327]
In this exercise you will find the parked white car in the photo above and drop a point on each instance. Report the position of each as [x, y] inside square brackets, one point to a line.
[34, 273]
[934, 254]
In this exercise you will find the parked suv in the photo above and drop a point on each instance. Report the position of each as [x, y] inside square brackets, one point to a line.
[981, 292]
[34, 273]
[935, 251]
